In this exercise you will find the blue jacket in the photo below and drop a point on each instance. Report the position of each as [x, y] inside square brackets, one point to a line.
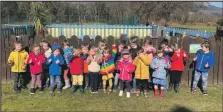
[67, 52]
[203, 59]
[158, 64]
[55, 69]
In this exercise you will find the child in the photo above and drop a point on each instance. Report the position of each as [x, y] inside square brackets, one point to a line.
[142, 62]
[46, 50]
[76, 70]
[159, 64]
[177, 67]
[101, 46]
[93, 61]
[126, 69]
[55, 62]
[36, 60]
[204, 59]
[148, 48]
[67, 50]
[85, 49]
[168, 52]
[108, 67]
[117, 59]
[16, 60]
[133, 51]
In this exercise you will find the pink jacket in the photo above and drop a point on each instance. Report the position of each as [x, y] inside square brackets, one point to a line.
[126, 69]
[37, 62]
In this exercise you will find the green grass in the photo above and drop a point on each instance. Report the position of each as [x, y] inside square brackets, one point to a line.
[109, 102]
[201, 27]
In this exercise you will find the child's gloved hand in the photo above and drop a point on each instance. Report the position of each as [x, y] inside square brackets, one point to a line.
[178, 54]
[185, 55]
[57, 61]
[10, 63]
[50, 60]
[39, 63]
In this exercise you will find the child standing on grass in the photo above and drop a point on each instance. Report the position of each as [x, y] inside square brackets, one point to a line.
[133, 51]
[101, 46]
[93, 61]
[126, 68]
[142, 62]
[55, 62]
[177, 67]
[76, 70]
[117, 59]
[85, 49]
[204, 59]
[67, 50]
[168, 52]
[46, 50]
[36, 60]
[108, 67]
[17, 60]
[159, 64]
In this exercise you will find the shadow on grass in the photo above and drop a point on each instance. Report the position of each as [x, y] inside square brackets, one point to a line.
[180, 109]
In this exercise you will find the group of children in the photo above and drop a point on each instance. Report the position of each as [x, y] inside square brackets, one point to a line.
[128, 67]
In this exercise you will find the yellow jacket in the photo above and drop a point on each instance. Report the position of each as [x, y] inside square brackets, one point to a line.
[18, 60]
[142, 66]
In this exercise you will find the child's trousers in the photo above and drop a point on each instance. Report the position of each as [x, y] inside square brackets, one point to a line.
[36, 77]
[86, 80]
[175, 77]
[125, 84]
[204, 77]
[108, 77]
[18, 77]
[65, 74]
[55, 79]
[116, 83]
[77, 79]
[94, 80]
[142, 84]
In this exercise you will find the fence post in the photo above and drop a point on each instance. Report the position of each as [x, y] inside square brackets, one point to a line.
[174, 31]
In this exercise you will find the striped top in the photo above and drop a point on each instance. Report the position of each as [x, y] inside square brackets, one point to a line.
[108, 64]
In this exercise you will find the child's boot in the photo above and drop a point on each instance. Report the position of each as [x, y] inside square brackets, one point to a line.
[81, 89]
[156, 93]
[67, 84]
[176, 88]
[41, 90]
[32, 91]
[120, 93]
[170, 87]
[161, 93]
[74, 88]
[137, 92]
[145, 93]
[193, 91]
[205, 92]
[104, 90]
[128, 94]
[109, 90]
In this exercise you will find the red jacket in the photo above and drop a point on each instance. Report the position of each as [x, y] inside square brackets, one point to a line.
[126, 69]
[76, 66]
[177, 62]
[37, 62]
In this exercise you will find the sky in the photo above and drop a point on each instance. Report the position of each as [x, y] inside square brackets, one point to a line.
[217, 4]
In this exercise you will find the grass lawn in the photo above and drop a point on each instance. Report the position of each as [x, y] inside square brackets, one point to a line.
[201, 27]
[110, 102]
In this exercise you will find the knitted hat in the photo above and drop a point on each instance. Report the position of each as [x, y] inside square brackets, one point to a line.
[125, 51]
[55, 46]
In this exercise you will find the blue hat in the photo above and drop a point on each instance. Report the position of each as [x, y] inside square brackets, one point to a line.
[55, 46]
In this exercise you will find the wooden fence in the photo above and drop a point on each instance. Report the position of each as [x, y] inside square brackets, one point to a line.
[215, 76]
